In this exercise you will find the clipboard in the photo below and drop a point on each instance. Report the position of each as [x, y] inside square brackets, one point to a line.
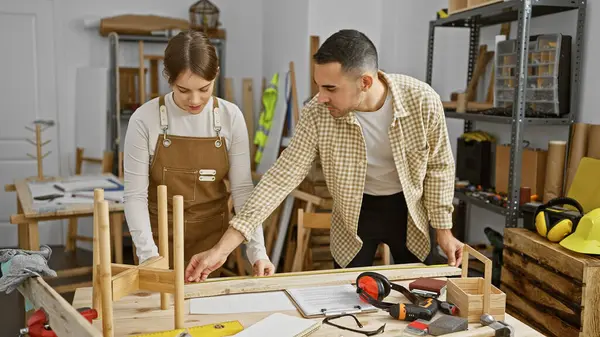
[314, 302]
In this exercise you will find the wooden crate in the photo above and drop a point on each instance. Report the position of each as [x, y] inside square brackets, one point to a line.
[475, 296]
[551, 288]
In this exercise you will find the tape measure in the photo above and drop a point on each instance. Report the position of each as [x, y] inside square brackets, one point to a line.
[222, 329]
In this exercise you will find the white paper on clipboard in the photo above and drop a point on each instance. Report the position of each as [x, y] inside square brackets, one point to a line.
[328, 300]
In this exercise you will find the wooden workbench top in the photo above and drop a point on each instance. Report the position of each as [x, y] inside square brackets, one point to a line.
[24, 195]
[140, 312]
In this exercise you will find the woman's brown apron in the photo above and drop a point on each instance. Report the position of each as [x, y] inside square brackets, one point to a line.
[194, 167]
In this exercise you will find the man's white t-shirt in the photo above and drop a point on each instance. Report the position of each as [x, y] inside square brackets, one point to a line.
[382, 176]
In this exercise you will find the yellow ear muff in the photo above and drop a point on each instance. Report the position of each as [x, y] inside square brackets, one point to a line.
[560, 230]
[540, 224]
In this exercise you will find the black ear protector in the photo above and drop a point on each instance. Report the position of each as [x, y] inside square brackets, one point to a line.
[556, 224]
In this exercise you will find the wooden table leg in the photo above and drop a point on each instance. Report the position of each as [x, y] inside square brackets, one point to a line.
[116, 220]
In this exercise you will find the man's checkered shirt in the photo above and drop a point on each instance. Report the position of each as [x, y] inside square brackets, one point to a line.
[421, 151]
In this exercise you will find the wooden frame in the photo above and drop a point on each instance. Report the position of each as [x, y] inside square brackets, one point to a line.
[63, 318]
[475, 296]
[153, 275]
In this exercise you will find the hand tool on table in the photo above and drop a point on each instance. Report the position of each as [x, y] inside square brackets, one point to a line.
[490, 328]
[374, 287]
[37, 324]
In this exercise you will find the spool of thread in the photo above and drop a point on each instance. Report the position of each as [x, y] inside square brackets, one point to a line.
[524, 195]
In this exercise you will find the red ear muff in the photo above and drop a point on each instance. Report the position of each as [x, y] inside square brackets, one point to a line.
[374, 284]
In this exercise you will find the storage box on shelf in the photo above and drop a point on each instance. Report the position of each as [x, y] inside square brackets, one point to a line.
[455, 6]
[550, 287]
[533, 169]
[548, 75]
[474, 162]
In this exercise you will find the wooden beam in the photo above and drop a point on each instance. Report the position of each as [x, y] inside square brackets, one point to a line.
[125, 283]
[157, 280]
[63, 318]
[314, 47]
[231, 285]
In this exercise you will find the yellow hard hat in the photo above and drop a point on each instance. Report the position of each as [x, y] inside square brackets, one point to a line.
[586, 238]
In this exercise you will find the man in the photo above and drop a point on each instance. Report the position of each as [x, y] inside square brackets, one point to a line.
[386, 157]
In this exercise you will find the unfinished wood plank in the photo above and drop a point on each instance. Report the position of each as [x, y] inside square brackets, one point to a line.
[471, 106]
[547, 323]
[591, 295]
[228, 95]
[63, 318]
[542, 300]
[295, 107]
[141, 77]
[124, 284]
[212, 287]
[314, 47]
[551, 282]
[248, 109]
[157, 280]
[547, 253]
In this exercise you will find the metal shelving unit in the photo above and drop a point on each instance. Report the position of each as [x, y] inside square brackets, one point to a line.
[521, 11]
[114, 117]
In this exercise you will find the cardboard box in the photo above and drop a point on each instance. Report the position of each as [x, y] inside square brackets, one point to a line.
[456, 5]
[533, 169]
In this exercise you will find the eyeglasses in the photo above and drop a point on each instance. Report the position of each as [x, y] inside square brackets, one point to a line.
[327, 320]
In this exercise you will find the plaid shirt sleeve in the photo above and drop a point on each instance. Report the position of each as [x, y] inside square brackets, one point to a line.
[438, 188]
[287, 173]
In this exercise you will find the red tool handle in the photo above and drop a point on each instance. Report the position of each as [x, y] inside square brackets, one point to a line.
[37, 324]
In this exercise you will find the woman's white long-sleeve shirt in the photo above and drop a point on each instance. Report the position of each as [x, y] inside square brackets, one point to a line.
[140, 142]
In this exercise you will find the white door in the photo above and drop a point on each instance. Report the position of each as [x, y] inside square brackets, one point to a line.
[27, 93]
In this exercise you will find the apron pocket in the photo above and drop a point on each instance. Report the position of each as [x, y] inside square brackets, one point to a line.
[201, 234]
[180, 182]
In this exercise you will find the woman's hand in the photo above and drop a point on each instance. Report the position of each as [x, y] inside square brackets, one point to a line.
[263, 268]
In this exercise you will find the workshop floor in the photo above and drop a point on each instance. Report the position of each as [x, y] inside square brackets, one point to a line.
[12, 316]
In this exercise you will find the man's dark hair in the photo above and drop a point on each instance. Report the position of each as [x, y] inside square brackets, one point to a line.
[351, 48]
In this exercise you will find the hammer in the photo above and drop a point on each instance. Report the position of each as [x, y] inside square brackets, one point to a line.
[490, 328]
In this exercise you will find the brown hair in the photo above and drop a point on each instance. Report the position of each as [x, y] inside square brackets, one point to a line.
[190, 50]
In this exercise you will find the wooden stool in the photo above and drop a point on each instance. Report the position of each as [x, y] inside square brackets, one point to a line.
[112, 282]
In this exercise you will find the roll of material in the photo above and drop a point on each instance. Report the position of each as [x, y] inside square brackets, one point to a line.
[555, 164]
[578, 150]
[593, 145]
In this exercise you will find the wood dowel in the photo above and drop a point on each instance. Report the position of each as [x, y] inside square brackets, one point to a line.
[96, 297]
[105, 272]
[178, 259]
[163, 236]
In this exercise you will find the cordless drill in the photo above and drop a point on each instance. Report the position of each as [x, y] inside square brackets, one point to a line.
[426, 310]
[37, 324]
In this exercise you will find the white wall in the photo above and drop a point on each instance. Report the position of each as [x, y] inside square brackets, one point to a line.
[285, 38]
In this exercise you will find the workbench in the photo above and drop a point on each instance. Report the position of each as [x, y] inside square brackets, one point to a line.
[140, 312]
[27, 218]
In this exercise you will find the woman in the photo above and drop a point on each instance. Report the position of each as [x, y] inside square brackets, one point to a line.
[191, 142]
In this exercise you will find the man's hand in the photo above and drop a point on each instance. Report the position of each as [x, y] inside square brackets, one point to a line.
[263, 268]
[202, 264]
[451, 246]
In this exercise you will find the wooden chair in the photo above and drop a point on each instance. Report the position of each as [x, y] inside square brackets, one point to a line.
[117, 219]
[309, 220]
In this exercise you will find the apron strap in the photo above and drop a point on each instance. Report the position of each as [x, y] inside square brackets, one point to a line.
[162, 108]
[216, 116]
[164, 121]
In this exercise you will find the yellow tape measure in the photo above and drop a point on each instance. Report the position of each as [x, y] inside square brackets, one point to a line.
[210, 330]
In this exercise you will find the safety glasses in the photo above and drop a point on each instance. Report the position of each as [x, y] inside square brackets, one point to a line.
[328, 320]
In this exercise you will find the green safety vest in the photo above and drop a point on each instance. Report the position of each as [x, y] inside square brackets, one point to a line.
[265, 121]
